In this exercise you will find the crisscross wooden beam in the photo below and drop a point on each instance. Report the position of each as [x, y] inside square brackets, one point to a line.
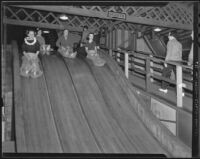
[103, 15]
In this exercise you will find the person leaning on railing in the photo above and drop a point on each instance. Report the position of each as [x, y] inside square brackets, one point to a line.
[174, 53]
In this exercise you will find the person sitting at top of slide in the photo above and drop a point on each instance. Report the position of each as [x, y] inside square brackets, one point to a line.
[30, 60]
[65, 46]
[91, 49]
[44, 49]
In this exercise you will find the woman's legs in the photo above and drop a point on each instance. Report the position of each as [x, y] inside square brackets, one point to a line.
[35, 71]
[67, 52]
[25, 67]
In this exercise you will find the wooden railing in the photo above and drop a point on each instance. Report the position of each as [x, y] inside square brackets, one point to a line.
[151, 68]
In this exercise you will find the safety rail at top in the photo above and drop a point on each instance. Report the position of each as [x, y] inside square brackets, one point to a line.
[151, 68]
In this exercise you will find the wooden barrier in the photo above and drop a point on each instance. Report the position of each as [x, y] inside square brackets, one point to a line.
[150, 69]
[159, 131]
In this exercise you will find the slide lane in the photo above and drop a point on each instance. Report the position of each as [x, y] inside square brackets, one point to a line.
[74, 133]
[118, 106]
[109, 136]
[35, 127]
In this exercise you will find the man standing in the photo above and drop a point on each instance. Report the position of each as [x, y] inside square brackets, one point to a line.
[174, 53]
[81, 52]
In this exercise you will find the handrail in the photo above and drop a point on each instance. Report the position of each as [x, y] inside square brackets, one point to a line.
[146, 117]
[148, 61]
[154, 58]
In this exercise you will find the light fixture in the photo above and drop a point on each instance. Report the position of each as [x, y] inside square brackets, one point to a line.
[46, 31]
[157, 29]
[63, 17]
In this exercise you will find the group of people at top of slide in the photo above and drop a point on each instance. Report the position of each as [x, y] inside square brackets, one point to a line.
[35, 44]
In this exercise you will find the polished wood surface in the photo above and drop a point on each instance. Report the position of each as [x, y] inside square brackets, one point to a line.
[109, 137]
[76, 107]
[74, 133]
[118, 106]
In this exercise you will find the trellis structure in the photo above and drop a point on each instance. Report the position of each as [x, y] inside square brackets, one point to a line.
[174, 15]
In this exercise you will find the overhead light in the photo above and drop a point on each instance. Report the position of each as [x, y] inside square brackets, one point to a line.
[63, 17]
[157, 29]
[46, 31]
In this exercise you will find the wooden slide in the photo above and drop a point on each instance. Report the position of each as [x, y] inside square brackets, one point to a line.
[76, 107]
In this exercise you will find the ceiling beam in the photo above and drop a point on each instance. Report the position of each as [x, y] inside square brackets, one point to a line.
[90, 13]
[41, 25]
[115, 23]
[166, 31]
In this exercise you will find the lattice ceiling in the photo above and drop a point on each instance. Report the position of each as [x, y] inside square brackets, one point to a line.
[174, 15]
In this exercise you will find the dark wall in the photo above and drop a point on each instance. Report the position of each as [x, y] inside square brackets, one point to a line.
[15, 32]
[18, 33]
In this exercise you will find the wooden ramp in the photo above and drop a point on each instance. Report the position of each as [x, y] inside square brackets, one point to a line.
[76, 107]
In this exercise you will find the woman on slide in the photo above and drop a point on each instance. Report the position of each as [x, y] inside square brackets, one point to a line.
[65, 46]
[30, 61]
[91, 49]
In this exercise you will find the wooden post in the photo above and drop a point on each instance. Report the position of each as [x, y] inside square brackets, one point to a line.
[3, 131]
[110, 52]
[147, 82]
[118, 57]
[151, 69]
[179, 88]
[3, 123]
[126, 64]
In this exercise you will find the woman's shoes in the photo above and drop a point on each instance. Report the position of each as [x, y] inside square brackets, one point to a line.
[36, 74]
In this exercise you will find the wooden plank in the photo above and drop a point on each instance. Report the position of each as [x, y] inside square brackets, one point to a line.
[118, 105]
[18, 108]
[179, 87]
[39, 127]
[34, 123]
[175, 146]
[40, 25]
[74, 133]
[107, 132]
[168, 99]
[126, 57]
[148, 76]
